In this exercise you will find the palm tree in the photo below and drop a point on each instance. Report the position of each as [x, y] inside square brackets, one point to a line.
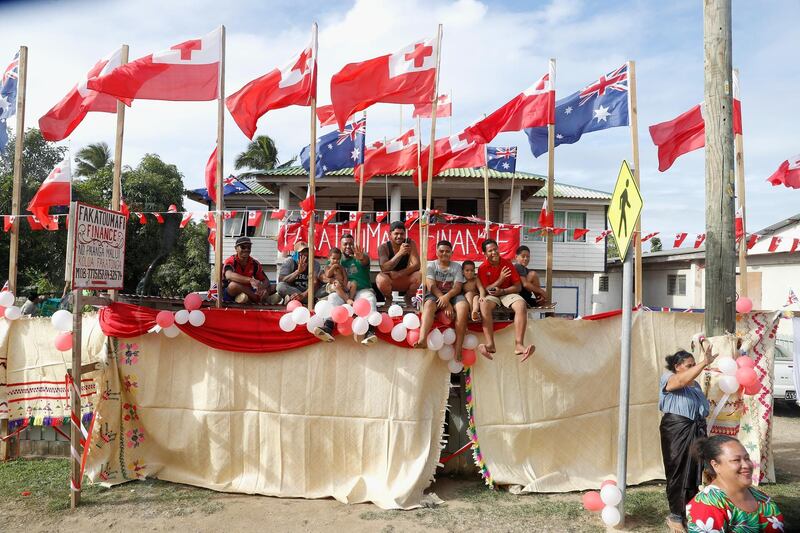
[92, 158]
[259, 156]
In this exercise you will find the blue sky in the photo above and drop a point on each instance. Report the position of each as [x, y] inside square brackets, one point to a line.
[491, 51]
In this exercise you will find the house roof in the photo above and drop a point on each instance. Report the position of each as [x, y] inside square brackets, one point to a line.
[450, 173]
[769, 230]
[563, 190]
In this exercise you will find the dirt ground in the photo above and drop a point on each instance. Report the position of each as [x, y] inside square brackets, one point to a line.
[158, 506]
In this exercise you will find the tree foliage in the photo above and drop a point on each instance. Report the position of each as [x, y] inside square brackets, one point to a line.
[92, 158]
[655, 244]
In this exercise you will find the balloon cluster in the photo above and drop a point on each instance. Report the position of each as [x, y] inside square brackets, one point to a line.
[7, 307]
[447, 352]
[739, 372]
[349, 319]
[605, 501]
[191, 314]
[62, 321]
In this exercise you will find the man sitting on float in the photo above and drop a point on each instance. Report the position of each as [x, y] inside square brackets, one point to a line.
[399, 262]
[293, 282]
[243, 276]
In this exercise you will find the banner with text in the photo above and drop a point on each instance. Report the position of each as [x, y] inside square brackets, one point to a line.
[99, 253]
[465, 238]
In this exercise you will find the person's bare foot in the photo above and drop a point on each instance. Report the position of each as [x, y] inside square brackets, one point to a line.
[524, 351]
[476, 315]
[483, 349]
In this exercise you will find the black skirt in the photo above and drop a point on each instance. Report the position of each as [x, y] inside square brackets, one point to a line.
[683, 473]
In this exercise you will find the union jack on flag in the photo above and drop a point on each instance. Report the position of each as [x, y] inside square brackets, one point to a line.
[351, 131]
[502, 159]
[792, 298]
[615, 81]
[12, 70]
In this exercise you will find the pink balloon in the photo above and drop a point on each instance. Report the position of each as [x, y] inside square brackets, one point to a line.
[744, 304]
[294, 304]
[192, 301]
[443, 318]
[412, 337]
[339, 314]
[345, 327]
[165, 318]
[362, 307]
[467, 357]
[386, 324]
[746, 376]
[608, 482]
[592, 501]
[63, 341]
[745, 362]
[753, 388]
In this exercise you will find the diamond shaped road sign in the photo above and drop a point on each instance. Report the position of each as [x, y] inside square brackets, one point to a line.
[626, 206]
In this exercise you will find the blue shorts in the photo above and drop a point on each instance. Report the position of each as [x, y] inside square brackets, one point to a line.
[228, 298]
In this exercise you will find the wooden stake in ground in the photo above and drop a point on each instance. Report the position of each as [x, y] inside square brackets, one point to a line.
[424, 220]
[740, 195]
[16, 194]
[218, 215]
[75, 372]
[633, 120]
[312, 184]
[116, 184]
[720, 315]
[551, 161]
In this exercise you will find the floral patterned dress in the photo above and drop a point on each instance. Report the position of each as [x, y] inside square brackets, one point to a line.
[712, 512]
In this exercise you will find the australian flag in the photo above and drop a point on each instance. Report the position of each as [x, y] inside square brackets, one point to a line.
[230, 185]
[601, 104]
[502, 159]
[8, 98]
[338, 149]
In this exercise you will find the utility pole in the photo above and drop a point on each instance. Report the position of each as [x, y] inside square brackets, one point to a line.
[720, 315]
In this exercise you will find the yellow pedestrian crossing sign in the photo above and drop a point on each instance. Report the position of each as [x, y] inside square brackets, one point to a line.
[626, 206]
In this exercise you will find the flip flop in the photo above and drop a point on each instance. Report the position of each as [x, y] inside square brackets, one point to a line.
[481, 349]
[527, 353]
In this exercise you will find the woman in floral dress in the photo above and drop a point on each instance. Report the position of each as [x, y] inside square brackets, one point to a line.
[730, 503]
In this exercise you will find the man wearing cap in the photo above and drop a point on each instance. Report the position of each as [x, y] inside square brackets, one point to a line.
[243, 277]
[293, 276]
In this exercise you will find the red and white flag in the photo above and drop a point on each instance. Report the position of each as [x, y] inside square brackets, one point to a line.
[739, 223]
[774, 243]
[67, 114]
[142, 218]
[392, 156]
[8, 222]
[456, 151]
[327, 118]
[328, 216]
[254, 218]
[752, 240]
[188, 71]
[444, 108]
[159, 217]
[788, 174]
[701, 238]
[679, 238]
[546, 217]
[380, 216]
[603, 235]
[123, 208]
[533, 107]
[293, 84]
[404, 77]
[211, 176]
[579, 233]
[277, 214]
[187, 217]
[55, 190]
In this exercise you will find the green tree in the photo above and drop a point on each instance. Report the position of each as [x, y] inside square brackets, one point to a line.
[612, 252]
[655, 244]
[259, 156]
[187, 269]
[92, 158]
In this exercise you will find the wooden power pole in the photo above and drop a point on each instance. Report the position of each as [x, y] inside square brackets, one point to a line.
[720, 271]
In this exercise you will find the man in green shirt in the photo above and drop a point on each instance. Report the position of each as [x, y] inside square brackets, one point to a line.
[356, 264]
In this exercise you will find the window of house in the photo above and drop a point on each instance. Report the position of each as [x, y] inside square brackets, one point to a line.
[343, 211]
[561, 219]
[235, 226]
[462, 207]
[676, 285]
[603, 283]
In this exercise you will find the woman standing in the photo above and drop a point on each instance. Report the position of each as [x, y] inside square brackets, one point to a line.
[730, 503]
[685, 409]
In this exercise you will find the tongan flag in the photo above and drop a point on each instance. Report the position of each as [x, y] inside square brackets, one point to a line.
[188, 71]
[788, 173]
[8, 97]
[600, 105]
[501, 159]
[392, 156]
[66, 115]
[456, 151]
[405, 77]
[55, 190]
[533, 107]
[294, 84]
[444, 108]
[338, 149]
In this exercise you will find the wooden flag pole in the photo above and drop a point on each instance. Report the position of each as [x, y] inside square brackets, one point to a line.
[633, 117]
[218, 218]
[116, 184]
[75, 373]
[551, 160]
[424, 220]
[740, 195]
[361, 187]
[423, 257]
[485, 173]
[312, 184]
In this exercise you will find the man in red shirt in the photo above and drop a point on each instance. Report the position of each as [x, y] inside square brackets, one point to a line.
[243, 277]
[500, 285]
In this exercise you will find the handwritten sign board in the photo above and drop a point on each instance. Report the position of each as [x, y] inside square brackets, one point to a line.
[98, 260]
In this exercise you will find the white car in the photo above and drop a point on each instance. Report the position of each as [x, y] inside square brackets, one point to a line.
[783, 387]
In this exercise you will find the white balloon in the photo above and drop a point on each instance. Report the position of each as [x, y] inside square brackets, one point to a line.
[197, 318]
[375, 318]
[323, 309]
[728, 384]
[727, 366]
[13, 312]
[349, 308]
[286, 323]
[610, 515]
[455, 366]
[360, 325]
[435, 340]
[316, 321]
[182, 317]
[300, 315]
[399, 333]
[62, 320]
[7, 299]
[470, 341]
[171, 331]
[395, 311]
[611, 495]
[411, 321]
[446, 352]
[449, 336]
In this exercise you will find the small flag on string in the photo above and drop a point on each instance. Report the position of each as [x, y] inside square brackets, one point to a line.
[159, 217]
[328, 216]
[172, 208]
[355, 216]
[212, 238]
[649, 236]
[254, 218]
[739, 223]
[8, 222]
[380, 216]
[579, 233]
[602, 236]
[795, 244]
[546, 216]
[774, 243]
[752, 241]
[186, 218]
[142, 218]
[559, 231]
[278, 214]
[411, 217]
[307, 205]
[123, 208]
[792, 299]
[701, 237]
[208, 218]
[679, 238]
